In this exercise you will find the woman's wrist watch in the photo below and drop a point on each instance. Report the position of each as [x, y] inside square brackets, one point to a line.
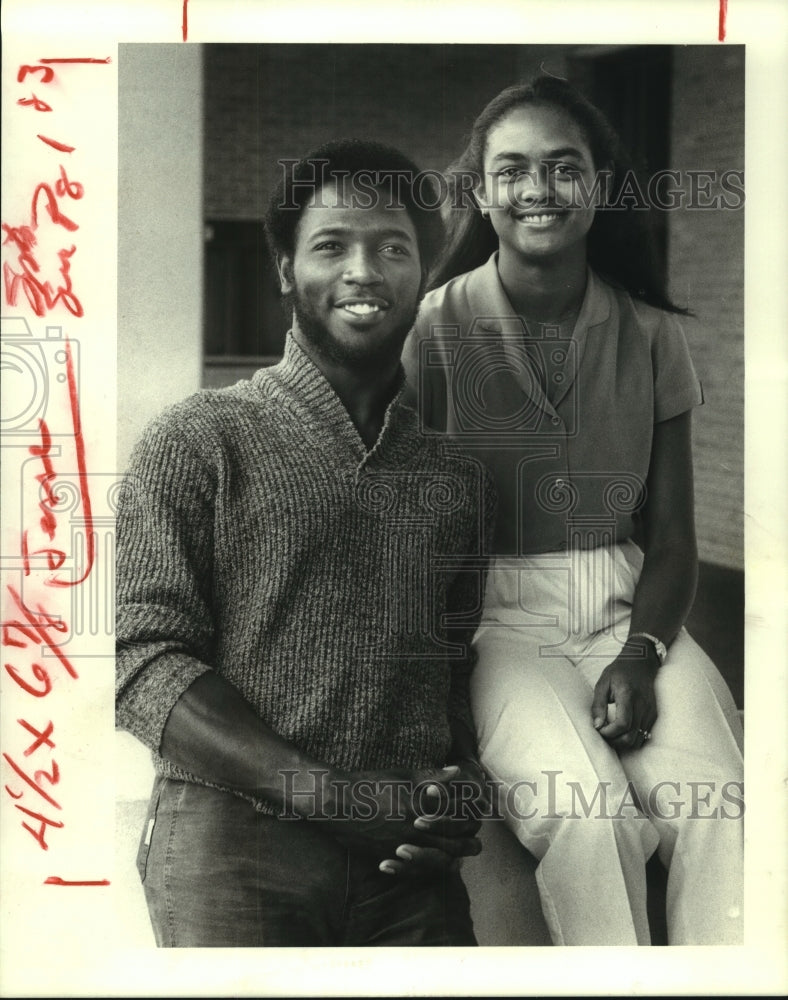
[659, 646]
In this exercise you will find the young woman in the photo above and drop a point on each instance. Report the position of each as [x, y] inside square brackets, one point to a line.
[549, 349]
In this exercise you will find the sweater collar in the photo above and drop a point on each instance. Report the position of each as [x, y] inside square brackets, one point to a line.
[321, 410]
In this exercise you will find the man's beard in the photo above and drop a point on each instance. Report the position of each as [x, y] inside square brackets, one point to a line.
[360, 357]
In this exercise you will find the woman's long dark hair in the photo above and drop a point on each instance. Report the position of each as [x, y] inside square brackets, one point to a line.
[620, 242]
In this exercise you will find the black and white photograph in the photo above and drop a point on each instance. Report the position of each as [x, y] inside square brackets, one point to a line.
[429, 549]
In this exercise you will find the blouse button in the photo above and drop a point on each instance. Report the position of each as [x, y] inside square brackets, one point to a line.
[555, 421]
[559, 482]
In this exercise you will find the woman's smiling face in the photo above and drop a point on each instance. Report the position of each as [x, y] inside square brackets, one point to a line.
[539, 181]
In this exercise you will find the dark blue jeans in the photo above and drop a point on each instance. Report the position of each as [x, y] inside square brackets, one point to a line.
[217, 873]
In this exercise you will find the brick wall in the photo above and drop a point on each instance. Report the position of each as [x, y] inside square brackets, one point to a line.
[706, 271]
[264, 102]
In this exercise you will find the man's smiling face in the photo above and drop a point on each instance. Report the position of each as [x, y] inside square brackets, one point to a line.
[355, 278]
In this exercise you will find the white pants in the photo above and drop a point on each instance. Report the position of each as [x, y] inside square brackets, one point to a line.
[590, 816]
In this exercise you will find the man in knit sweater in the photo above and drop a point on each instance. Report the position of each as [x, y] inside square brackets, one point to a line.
[299, 575]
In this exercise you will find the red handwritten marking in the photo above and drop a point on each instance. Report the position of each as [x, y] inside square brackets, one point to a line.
[48, 521]
[44, 821]
[185, 24]
[63, 186]
[46, 478]
[39, 776]
[82, 474]
[52, 207]
[47, 74]
[57, 880]
[40, 294]
[37, 625]
[41, 738]
[42, 451]
[36, 631]
[723, 15]
[34, 102]
[102, 61]
[54, 557]
[39, 673]
[56, 145]
[52, 778]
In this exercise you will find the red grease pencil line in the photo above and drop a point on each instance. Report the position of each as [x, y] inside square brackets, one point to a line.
[48, 62]
[57, 145]
[185, 24]
[723, 15]
[57, 880]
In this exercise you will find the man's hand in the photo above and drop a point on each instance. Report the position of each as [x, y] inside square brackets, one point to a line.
[214, 732]
[376, 812]
[453, 819]
[627, 683]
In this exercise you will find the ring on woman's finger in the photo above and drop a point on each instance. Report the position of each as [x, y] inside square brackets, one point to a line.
[645, 734]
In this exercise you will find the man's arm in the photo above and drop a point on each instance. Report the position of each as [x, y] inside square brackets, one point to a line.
[215, 734]
[169, 696]
[164, 567]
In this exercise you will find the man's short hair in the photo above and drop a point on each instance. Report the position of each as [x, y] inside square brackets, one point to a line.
[368, 171]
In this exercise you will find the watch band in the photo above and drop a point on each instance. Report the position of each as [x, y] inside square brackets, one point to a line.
[658, 644]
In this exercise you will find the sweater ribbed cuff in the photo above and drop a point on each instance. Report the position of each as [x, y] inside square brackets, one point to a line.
[151, 696]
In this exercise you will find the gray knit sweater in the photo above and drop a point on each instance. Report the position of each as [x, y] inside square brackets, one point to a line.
[337, 588]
